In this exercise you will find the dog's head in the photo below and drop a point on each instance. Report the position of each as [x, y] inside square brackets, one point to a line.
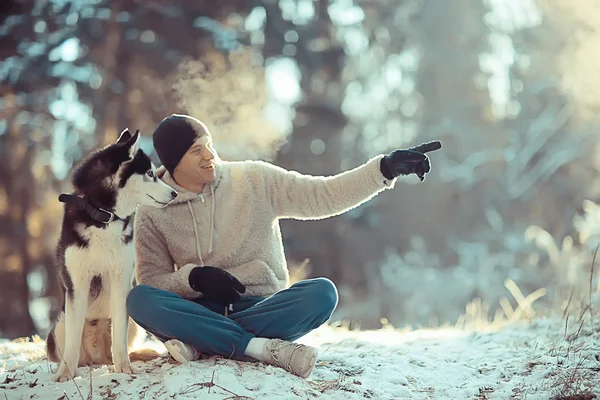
[122, 175]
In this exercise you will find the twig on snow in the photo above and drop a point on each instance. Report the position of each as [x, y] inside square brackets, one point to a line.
[575, 335]
[569, 302]
[91, 388]
[212, 384]
[591, 280]
[72, 375]
[212, 381]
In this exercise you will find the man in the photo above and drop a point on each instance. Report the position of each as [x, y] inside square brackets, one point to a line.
[222, 232]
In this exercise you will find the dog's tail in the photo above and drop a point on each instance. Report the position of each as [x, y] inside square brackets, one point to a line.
[143, 355]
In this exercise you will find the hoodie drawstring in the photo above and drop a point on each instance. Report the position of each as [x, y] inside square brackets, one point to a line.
[228, 308]
[195, 223]
[212, 218]
[212, 225]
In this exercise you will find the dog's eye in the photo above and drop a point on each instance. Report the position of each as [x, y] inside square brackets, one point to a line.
[150, 174]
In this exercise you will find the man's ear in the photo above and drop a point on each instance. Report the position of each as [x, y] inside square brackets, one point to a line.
[133, 144]
[124, 136]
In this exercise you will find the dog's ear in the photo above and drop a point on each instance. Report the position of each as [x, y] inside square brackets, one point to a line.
[124, 136]
[133, 144]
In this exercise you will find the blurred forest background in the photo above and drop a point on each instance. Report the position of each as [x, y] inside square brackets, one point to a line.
[511, 88]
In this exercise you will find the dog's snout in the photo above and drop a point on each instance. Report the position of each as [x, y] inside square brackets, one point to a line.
[173, 194]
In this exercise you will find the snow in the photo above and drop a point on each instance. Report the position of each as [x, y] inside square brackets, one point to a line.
[532, 360]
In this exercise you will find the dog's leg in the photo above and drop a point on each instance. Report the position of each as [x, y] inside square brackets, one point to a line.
[75, 311]
[119, 289]
[55, 342]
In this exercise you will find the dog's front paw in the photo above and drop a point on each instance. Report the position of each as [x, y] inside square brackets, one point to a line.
[125, 368]
[62, 374]
[61, 377]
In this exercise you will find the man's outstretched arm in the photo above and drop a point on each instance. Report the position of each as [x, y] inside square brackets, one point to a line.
[299, 196]
[294, 195]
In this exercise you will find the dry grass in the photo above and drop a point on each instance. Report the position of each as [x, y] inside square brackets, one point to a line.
[477, 316]
[577, 382]
[591, 286]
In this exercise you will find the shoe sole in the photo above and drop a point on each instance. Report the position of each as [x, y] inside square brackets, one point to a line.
[313, 362]
[175, 351]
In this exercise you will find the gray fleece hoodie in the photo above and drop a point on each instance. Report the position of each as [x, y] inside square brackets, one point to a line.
[234, 223]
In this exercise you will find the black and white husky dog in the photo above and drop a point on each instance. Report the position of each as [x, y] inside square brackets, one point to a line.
[95, 256]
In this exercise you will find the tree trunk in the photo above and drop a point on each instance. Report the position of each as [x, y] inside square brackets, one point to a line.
[15, 158]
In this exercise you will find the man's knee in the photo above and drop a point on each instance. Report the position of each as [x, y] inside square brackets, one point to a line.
[322, 293]
[139, 300]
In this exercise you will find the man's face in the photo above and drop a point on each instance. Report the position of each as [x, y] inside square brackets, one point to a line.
[198, 163]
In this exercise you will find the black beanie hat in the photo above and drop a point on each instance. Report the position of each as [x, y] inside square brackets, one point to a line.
[174, 136]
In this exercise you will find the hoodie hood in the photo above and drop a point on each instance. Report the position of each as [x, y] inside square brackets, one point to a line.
[185, 195]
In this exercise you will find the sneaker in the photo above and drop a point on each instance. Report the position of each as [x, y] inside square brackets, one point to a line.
[293, 357]
[181, 352]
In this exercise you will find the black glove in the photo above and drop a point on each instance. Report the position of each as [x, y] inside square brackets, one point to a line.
[409, 161]
[216, 284]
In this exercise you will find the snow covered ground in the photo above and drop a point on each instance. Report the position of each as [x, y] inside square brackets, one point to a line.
[528, 360]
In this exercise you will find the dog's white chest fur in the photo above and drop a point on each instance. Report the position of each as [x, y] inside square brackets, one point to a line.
[108, 257]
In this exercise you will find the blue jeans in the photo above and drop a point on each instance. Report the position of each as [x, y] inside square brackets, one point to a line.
[289, 314]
